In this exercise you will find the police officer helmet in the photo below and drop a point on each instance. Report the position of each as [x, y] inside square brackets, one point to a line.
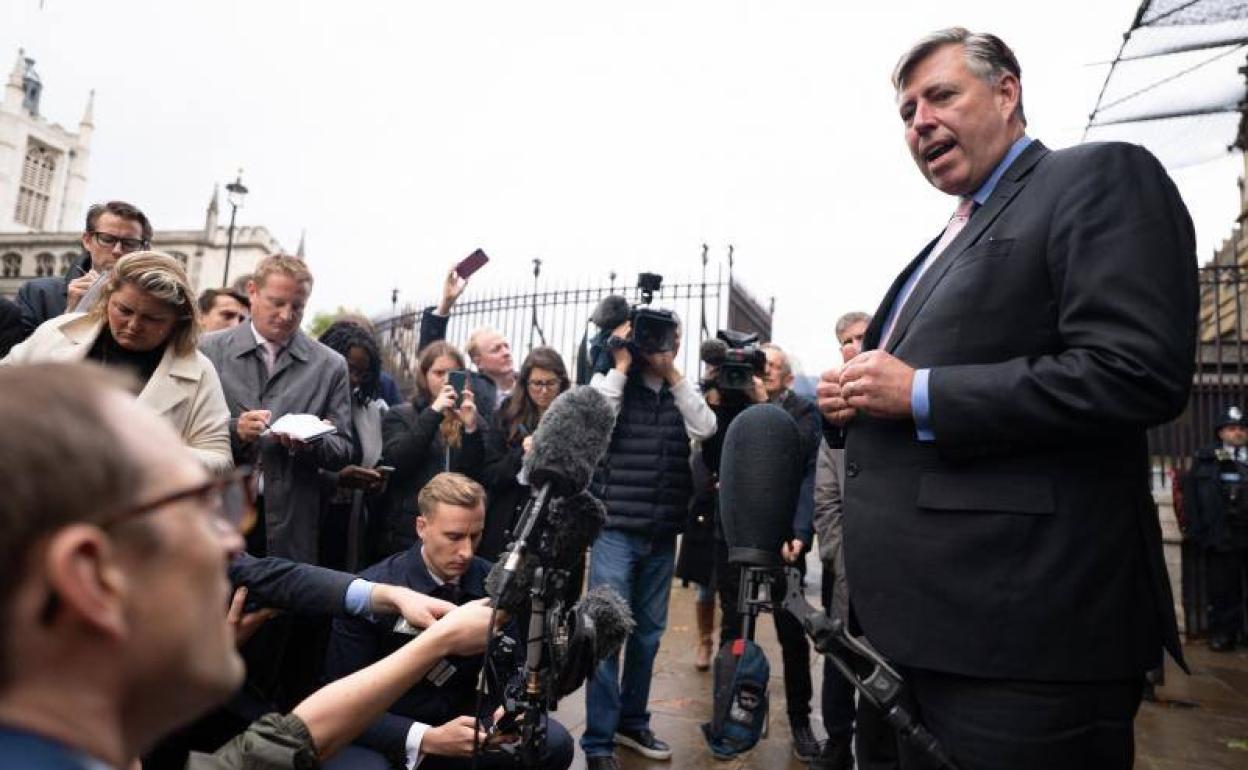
[1232, 416]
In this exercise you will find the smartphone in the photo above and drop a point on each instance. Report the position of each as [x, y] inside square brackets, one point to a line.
[471, 263]
[457, 378]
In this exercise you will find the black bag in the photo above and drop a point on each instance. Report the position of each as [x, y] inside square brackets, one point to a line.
[739, 715]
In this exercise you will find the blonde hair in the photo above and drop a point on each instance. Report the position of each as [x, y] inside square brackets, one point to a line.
[292, 267]
[449, 489]
[473, 348]
[163, 277]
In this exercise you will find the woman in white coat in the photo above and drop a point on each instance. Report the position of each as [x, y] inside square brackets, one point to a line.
[146, 322]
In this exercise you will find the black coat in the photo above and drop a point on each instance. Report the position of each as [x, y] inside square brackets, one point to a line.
[1023, 542]
[12, 330]
[413, 446]
[506, 496]
[1206, 505]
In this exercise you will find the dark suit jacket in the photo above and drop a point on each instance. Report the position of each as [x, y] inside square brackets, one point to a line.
[359, 642]
[289, 585]
[1058, 325]
[12, 330]
[44, 298]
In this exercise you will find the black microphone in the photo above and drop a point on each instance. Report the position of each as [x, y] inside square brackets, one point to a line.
[713, 351]
[569, 441]
[612, 311]
[760, 478]
[597, 627]
[572, 524]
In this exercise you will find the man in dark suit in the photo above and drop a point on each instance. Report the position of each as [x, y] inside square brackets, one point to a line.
[433, 722]
[113, 229]
[995, 426]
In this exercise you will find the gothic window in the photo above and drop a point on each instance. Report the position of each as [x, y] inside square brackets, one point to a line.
[12, 265]
[35, 191]
[43, 266]
[182, 258]
[67, 262]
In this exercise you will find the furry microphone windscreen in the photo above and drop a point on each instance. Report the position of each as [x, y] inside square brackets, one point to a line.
[612, 618]
[574, 524]
[571, 524]
[570, 440]
[612, 311]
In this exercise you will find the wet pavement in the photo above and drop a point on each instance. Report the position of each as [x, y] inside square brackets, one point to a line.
[1199, 721]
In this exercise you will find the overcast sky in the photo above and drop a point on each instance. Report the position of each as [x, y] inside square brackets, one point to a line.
[595, 136]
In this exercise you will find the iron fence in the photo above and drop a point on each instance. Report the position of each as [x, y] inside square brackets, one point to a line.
[556, 314]
[1221, 378]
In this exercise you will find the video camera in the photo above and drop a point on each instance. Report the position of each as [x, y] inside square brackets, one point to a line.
[737, 359]
[653, 329]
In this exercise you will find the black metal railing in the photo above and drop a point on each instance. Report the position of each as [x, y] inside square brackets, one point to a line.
[1221, 377]
[557, 315]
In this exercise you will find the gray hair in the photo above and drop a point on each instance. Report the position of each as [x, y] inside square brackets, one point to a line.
[788, 367]
[848, 320]
[987, 57]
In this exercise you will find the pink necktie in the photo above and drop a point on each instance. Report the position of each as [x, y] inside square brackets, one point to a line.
[956, 223]
[271, 349]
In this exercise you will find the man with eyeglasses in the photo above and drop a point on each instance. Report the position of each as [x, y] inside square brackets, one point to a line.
[114, 543]
[113, 230]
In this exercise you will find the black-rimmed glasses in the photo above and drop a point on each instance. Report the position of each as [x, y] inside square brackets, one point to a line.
[127, 244]
[228, 499]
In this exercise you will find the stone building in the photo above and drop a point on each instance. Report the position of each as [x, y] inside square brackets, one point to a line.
[43, 182]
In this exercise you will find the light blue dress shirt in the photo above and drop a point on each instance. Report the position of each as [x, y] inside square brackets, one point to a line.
[920, 406]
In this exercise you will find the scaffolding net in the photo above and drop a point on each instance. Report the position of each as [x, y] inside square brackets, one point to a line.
[1177, 85]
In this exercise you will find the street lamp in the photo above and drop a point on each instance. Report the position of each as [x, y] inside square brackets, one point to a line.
[235, 193]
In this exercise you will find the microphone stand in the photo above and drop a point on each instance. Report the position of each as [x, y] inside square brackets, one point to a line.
[881, 685]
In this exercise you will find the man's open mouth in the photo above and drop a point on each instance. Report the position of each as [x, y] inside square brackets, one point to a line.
[937, 150]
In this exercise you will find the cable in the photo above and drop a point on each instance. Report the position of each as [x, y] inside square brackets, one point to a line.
[488, 660]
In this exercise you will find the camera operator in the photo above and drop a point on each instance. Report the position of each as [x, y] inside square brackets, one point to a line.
[645, 482]
[774, 387]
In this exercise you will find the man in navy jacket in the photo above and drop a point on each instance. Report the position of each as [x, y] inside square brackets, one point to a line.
[433, 722]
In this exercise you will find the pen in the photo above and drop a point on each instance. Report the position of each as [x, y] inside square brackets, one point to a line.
[246, 408]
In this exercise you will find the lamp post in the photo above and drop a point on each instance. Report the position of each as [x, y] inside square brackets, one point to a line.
[235, 193]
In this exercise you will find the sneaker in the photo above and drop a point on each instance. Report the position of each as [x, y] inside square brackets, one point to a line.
[805, 744]
[834, 755]
[644, 742]
[609, 762]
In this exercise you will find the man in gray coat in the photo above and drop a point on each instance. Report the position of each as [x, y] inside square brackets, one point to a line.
[876, 745]
[268, 369]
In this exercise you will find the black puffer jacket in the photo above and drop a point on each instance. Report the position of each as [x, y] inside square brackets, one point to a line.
[644, 479]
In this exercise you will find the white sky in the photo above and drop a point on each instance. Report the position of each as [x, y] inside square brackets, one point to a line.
[596, 136]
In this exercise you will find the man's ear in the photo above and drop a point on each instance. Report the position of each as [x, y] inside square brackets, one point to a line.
[81, 567]
[1009, 92]
[420, 526]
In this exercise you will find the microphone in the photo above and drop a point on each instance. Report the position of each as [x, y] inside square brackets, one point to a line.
[713, 351]
[569, 441]
[760, 478]
[612, 311]
[597, 627]
[572, 523]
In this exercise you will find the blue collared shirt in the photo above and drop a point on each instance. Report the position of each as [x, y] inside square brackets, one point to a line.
[920, 406]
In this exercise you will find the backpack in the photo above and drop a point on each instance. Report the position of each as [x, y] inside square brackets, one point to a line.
[739, 714]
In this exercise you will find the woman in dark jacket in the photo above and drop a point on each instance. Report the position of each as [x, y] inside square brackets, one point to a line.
[426, 437]
[350, 495]
[543, 377]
